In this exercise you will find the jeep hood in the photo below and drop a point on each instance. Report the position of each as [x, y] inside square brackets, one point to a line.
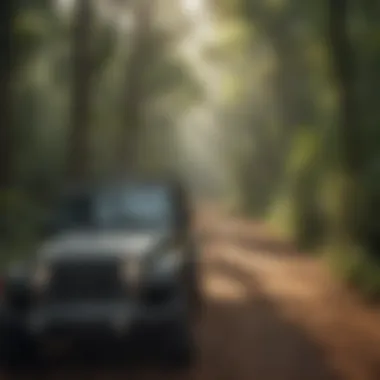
[105, 244]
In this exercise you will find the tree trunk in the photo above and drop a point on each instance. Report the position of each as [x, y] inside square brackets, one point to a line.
[343, 57]
[6, 141]
[351, 139]
[79, 134]
[133, 99]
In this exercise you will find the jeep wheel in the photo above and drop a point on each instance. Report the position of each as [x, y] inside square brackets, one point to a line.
[183, 358]
[17, 351]
[180, 354]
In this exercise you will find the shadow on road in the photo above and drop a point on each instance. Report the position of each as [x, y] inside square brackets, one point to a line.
[249, 339]
[265, 245]
[248, 238]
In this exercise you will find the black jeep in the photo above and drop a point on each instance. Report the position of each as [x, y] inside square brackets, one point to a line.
[121, 270]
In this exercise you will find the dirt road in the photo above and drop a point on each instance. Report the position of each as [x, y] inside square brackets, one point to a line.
[271, 314]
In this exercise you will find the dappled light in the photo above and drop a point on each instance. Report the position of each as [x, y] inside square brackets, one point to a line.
[267, 111]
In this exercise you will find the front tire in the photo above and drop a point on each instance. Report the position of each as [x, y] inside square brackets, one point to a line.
[181, 352]
[183, 358]
[17, 350]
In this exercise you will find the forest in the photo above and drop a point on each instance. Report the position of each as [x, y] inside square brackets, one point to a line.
[271, 107]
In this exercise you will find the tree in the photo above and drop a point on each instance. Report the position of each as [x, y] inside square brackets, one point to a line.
[350, 135]
[6, 141]
[133, 98]
[79, 142]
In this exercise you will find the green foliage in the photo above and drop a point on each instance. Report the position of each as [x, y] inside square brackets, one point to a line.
[166, 76]
[16, 237]
[42, 86]
[352, 264]
[297, 173]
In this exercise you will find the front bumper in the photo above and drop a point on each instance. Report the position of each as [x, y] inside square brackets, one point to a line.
[146, 330]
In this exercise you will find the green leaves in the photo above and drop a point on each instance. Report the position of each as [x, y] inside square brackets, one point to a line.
[31, 28]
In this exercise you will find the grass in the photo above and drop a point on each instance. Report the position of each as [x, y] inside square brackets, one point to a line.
[357, 267]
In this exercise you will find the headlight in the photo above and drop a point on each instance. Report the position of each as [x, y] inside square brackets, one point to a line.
[168, 262]
[42, 275]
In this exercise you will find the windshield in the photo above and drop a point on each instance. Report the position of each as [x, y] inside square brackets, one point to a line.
[140, 207]
[131, 206]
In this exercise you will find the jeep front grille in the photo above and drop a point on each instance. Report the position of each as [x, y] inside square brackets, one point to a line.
[74, 280]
